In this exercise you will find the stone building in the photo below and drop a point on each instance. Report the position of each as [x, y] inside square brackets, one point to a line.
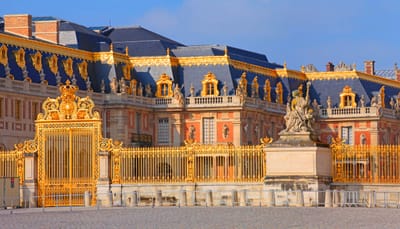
[153, 91]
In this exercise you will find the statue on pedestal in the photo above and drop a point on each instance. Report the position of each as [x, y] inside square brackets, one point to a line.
[299, 114]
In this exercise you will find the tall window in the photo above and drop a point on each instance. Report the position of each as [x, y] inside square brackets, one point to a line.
[210, 89]
[17, 112]
[347, 135]
[208, 130]
[163, 131]
[164, 89]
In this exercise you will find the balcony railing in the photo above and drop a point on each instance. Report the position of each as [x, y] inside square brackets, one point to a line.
[350, 112]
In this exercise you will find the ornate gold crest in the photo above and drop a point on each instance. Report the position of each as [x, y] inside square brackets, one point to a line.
[68, 106]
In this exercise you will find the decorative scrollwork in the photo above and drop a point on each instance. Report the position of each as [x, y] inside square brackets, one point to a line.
[68, 106]
[30, 146]
[265, 141]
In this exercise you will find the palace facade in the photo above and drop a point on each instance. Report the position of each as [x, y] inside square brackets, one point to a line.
[153, 91]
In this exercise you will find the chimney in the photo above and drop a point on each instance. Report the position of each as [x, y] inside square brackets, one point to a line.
[369, 67]
[47, 30]
[397, 72]
[330, 67]
[19, 24]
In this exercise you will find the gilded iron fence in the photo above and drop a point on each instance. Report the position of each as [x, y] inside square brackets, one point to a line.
[9, 163]
[365, 163]
[192, 163]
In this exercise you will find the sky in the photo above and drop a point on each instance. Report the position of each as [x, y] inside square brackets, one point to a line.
[292, 31]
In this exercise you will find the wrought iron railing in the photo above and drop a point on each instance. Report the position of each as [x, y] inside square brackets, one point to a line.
[8, 164]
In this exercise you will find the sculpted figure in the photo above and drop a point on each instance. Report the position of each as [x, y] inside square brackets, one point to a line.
[299, 115]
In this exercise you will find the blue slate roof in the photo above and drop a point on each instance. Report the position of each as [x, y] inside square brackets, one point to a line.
[80, 37]
[140, 41]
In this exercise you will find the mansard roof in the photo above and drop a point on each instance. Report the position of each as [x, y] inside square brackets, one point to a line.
[140, 41]
[80, 37]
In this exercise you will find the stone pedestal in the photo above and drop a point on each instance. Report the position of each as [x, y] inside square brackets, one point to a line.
[297, 162]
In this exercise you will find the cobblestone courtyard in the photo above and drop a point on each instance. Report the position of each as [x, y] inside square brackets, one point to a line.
[218, 217]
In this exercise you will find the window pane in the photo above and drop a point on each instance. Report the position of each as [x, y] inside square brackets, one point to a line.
[163, 131]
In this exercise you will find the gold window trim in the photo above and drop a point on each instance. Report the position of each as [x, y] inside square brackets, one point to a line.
[20, 57]
[164, 79]
[53, 64]
[37, 61]
[3, 54]
[347, 92]
[209, 78]
[68, 67]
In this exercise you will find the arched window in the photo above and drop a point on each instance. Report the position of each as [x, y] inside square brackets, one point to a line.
[347, 98]
[210, 85]
[164, 86]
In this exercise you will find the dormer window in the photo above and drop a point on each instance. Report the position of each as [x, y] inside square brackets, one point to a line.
[347, 98]
[164, 86]
[210, 85]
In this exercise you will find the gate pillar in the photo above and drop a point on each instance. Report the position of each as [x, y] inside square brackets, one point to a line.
[29, 187]
[103, 183]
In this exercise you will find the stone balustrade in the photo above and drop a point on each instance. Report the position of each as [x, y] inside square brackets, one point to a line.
[351, 112]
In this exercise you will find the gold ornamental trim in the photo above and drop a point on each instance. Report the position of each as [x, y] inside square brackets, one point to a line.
[253, 68]
[68, 106]
[45, 47]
